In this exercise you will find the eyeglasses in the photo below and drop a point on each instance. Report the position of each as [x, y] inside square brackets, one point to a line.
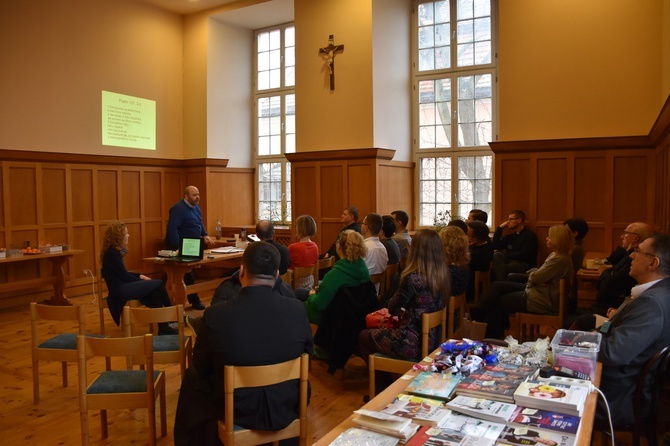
[636, 250]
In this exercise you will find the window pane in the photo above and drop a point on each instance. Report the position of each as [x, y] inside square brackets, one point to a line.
[435, 113]
[426, 60]
[425, 13]
[289, 36]
[434, 188]
[474, 110]
[474, 183]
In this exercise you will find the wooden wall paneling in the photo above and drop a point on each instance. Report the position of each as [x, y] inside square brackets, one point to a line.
[515, 187]
[85, 239]
[630, 189]
[361, 187]
[108, 195]
[173, 190]
[395, 187]
[590, 188]
[54, 195]
[595, 240]
[331, 180]
[153, 236]
[83, 195]
[23, 181]
[130, 194]
[55, 236]
[304, 178]
[5, 199]
[552, 190]
[235, 198]
[151, 205]
[663, 186]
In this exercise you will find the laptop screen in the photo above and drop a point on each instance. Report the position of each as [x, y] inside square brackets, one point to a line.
[190, 247]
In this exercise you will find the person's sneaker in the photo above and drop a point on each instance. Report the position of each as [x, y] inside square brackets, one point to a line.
[198, 305]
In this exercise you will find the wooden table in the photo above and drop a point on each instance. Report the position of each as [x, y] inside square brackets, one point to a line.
[383, 399]
[57, 277]
[175, 271]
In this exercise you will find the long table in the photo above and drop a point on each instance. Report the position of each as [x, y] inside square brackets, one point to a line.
[57, 277]
[381, 400]
[175, 271]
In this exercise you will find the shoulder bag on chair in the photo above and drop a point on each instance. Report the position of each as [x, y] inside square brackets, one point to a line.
[473, 330]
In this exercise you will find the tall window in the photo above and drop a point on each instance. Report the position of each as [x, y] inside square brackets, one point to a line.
[454, 100]
[274, 102]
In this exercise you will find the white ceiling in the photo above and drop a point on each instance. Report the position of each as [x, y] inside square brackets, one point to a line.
[261, 15]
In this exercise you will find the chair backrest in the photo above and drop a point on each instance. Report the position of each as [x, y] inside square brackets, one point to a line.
[287, 277]
[236, 377]
[482, 282]
[651, 378]
[528, 323]
[326, 263]
[455, 319]
[429, 321]
[390, 271]
[302, 272]
[102, 303]
[138, 321]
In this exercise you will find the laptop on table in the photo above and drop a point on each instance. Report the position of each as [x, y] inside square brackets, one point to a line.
[191, 249]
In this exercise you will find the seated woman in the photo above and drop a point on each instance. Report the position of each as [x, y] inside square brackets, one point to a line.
[123, 285]
[540, 294]
[304, 252]
[455, 244]
[349, 271]
[424, 288]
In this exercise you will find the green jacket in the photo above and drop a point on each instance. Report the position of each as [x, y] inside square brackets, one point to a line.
[344, 273]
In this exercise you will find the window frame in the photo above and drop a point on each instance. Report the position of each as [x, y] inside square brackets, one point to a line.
[453, 73]
[282, 91]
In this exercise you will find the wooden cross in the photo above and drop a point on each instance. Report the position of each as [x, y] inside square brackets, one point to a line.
[329, 52]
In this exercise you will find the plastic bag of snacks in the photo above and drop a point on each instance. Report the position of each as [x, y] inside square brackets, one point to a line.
[463, 356]
[535, 354]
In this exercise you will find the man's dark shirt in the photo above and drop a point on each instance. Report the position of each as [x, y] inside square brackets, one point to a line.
[521, 246]
[614, 285]
[332, 252]
[392, 249]
[284, 256]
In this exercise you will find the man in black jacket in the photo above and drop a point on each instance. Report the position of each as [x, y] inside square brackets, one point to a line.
[350, 220]
[516, 252]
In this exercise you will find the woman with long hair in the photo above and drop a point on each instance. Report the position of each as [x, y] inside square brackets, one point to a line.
[457, 251]
[123, 285]
[304, 252]
[349, 271]
[424, 288]
[540, 294]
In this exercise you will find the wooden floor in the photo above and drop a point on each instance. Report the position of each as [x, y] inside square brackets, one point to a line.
[55, 421]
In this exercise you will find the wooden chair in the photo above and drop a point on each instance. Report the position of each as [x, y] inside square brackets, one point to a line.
[383, 363]
[117, 389]
[390, 271]
[651, 378]
[62, 347]
[102, 303]
[482, 282]
[528, 324]
[236, 377]
[324, 264]
[378, 280]
[456, 312]
[168, 349]
[301, 273]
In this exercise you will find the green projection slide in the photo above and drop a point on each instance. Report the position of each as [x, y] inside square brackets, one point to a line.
[128, 121]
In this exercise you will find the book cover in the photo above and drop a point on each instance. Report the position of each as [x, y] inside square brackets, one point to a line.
[545, 420]
[381, 422]
[424, 411]
[438, 385]
[534, 437]
[506, 371]
[355, 435]
[457, 429]
[495, 389]
[482, 408]
[551, 396]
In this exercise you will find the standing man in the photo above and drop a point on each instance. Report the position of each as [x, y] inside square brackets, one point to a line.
[377, 257]
[265, 231]
[640, 328]
[185, 220]
[350, 220]
[259, 327]
[516, 252]
[401, 236]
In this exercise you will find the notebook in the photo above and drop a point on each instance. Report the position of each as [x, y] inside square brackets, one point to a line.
[191, 249]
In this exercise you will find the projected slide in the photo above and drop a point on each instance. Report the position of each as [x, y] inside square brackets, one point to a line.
[128, 121]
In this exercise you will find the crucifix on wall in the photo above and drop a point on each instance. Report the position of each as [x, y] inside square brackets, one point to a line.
[329, 53]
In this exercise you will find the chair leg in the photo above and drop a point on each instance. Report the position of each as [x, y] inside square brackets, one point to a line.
[371, 376]
[64, 369]
[84, 427]
[151, 415]
[36, 383]
[103, 423]
[163, 413]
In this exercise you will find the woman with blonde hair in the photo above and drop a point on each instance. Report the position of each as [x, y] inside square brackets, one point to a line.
[349, 271]
[456, 249]
[540, 294]
[123, 285]
[304, 252]
[424, 288]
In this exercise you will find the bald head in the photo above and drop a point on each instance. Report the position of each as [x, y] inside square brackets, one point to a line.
[265, 230]
[635, 234]
[192, 195]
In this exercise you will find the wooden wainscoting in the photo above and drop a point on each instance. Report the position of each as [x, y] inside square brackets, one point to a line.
[70, 199]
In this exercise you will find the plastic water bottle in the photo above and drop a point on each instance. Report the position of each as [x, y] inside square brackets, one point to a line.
[243, 235]
[218, 229]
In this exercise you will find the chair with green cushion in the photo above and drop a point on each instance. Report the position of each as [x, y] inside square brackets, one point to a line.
[120, 389]
[62, 347]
